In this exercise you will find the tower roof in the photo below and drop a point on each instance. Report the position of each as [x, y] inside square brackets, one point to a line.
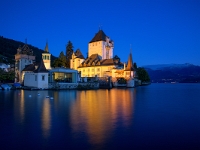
[78, 54]
[25, 50]
[46, 49]
[95, 60]
[130, 66]
[41, 67]
[100, 36]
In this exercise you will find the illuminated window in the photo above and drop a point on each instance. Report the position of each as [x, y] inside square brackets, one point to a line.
[92, 70]
[88, 70]
[98, 69]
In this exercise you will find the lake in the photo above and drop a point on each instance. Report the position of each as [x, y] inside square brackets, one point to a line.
[158, 116]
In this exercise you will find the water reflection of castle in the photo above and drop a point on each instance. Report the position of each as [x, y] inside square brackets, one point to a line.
[98, 113]
[23, 109]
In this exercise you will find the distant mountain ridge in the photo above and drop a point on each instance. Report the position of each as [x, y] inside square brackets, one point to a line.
[8, 49]
[162, 66]
[167, 73]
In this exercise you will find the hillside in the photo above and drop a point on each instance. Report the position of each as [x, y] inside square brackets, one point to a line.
[8, 48]
[182, 73]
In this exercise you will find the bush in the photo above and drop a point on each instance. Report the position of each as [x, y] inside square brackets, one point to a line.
[121, 81]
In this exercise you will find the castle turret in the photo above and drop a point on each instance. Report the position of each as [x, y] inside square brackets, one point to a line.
[46, 56]
[23, 57]
[130, 70]
[101, 45]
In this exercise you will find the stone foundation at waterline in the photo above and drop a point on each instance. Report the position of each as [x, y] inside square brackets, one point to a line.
[59, 86]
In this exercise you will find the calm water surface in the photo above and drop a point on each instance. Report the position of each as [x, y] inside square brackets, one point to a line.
[159, 116]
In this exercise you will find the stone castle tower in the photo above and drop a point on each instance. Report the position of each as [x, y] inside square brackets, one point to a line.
[101, 45]
[46, 56]
[23, 57]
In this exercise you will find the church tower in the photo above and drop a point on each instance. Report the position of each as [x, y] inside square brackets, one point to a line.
[23, 58]
[129, 70]
[46, 56]
[101, 45]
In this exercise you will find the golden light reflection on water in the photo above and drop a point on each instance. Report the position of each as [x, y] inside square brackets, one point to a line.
[19, 106]
[46, 118]
[98, 113]
[22, 109]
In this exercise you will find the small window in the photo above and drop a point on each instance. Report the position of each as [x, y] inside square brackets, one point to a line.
[35, 77]
[98, 69]
[88, 70]
[43, 77]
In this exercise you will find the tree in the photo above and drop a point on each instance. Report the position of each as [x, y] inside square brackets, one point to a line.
[7, 76]
[69, 52]
[143, 75]
[60, 61]
[135, 65]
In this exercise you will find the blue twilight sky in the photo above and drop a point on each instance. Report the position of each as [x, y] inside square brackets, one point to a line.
[160, 31]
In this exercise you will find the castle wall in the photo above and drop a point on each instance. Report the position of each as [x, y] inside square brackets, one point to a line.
[100, 71]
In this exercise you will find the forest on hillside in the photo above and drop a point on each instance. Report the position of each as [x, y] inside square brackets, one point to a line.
[8, 49]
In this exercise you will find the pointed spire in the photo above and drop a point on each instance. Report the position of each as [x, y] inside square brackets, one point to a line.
[100, 36]
[130, 66]
[41, 67]
[46, 49]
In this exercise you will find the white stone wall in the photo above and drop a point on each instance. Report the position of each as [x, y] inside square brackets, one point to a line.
[95, 48]
[100, 49]
[36, 80]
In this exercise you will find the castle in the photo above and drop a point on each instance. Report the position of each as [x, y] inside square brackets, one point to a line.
[40, 75]
[100, 63]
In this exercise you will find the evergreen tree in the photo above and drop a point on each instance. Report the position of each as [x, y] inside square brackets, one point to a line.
[60, 61]
[7, 76]
[135, 65]
[69, 52]
[143, 75]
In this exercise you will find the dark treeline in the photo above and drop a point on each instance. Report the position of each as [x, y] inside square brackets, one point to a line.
[8, 48]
